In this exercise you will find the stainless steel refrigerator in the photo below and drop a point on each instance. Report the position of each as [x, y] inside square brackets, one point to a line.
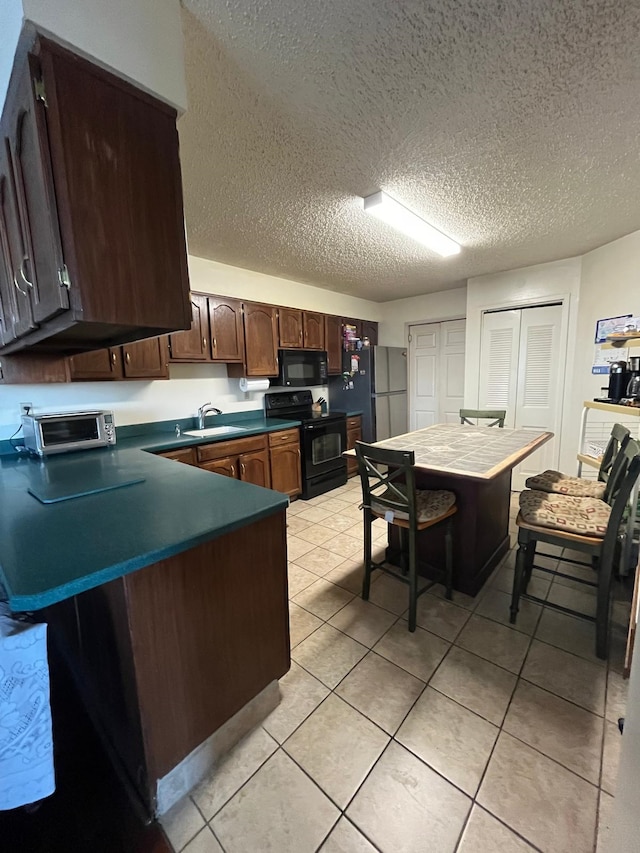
[379, 390]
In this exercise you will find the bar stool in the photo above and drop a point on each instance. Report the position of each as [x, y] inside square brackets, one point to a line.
[486, 414]
[564, 484]
[588, 525]
[389, 492]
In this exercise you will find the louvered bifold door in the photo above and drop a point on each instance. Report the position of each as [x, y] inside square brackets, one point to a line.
[538, 404]
[499, 362]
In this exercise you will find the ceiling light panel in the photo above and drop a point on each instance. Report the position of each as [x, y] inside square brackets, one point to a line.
[388, 210]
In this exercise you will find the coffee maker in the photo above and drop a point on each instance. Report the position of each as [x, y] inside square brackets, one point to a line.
[618, 381]
[633, 384]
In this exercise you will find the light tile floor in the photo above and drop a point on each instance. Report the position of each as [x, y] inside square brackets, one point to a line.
[469, 735]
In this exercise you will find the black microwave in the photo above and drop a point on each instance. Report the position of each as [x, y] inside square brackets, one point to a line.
[301, 368]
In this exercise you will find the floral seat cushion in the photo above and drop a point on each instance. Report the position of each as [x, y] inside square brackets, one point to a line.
[430, 504]
[563, 484]
[581, 516]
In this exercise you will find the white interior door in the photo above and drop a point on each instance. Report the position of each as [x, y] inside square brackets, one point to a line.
[519, 359]
[499, 362]
[539, 386]
[423, 375]
[451, 371]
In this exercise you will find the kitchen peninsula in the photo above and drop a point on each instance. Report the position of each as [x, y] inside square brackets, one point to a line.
[168, 596]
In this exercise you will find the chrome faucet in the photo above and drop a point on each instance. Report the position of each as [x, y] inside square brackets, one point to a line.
[205, 410]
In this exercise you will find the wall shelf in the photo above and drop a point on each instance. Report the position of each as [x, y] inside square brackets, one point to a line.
[619, 342]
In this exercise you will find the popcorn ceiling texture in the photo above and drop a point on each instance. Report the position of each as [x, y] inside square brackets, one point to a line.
[513, 126]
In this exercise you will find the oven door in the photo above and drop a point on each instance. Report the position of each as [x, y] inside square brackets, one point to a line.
[323, 444]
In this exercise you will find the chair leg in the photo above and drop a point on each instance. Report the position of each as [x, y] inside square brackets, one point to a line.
[366, 583]
[518, 578]
[605, 571]
[404, 550]
[448, 550]
[413, 580]
[528, 566]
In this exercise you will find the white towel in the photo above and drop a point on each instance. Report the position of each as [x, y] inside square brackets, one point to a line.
[26, 743]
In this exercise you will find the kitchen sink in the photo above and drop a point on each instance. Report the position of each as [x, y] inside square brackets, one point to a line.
[213, 431]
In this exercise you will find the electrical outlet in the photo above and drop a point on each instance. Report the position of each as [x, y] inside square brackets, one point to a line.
[26, 408]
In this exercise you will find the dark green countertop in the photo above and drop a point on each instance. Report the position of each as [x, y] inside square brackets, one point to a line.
[54, 551]
[354, 413]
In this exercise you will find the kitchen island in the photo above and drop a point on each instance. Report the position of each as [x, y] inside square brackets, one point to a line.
[167, 595]
[475, 463]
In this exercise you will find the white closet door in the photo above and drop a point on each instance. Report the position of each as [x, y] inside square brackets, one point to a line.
[538, 404]
[423, 349]
[451, 371]
[499, 362]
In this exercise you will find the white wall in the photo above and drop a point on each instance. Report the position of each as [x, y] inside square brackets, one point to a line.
[139, 39]
[555, 281]
[213, 277]
[190, 385]
[432, 307]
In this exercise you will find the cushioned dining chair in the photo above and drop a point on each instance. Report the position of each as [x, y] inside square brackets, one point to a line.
[565, 484]
[495, 415]
[587, 525]
[389, 491]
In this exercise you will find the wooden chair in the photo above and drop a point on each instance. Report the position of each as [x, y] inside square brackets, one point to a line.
[389, 492]
[564, 484]
[587, 525]
[488, 414]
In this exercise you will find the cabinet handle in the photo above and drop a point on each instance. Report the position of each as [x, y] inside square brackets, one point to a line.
[204, 342]
[215, 343]
[114, 357]
[17, 286]
[242, 467]
[298, 453]
[127, 358]
[233, 470]
[21, 271]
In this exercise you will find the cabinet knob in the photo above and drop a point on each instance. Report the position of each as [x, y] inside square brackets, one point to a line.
[127, 357]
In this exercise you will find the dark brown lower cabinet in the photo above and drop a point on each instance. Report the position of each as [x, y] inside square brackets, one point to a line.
[286, 472]
[181, 454]
[164, 656]
[354, 433]
[254, 468]
[227, 466]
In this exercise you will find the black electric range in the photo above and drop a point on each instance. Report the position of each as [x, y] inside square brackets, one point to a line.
[323, 440]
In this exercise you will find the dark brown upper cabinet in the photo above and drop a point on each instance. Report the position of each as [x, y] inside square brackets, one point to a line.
[146, 359]
[92, 238]
[193, 345]
[99, 365]
[313, 330]
[370, 330]
[333, 343]
[290, 328]
[227, 333]
[260, 339]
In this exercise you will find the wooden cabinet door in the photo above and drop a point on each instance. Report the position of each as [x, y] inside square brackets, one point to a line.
[194, 344]
[254, 468]
[286, 472]
[187, 455]
[16, 301]
[227, 334]
[41, 266]
[228, 466]
[313, 330]
[290, 328]
[98, 365]
[357, 323]
[146, 359]
[261, 339]
[333, 343]
[370, 330]
[354, 433]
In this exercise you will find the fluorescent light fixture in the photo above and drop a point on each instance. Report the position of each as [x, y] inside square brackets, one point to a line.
[398, 216]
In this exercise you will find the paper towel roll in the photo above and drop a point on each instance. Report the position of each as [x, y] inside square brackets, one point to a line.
[254, 384]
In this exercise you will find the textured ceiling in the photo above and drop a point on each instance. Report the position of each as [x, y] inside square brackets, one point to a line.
[512, 126]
